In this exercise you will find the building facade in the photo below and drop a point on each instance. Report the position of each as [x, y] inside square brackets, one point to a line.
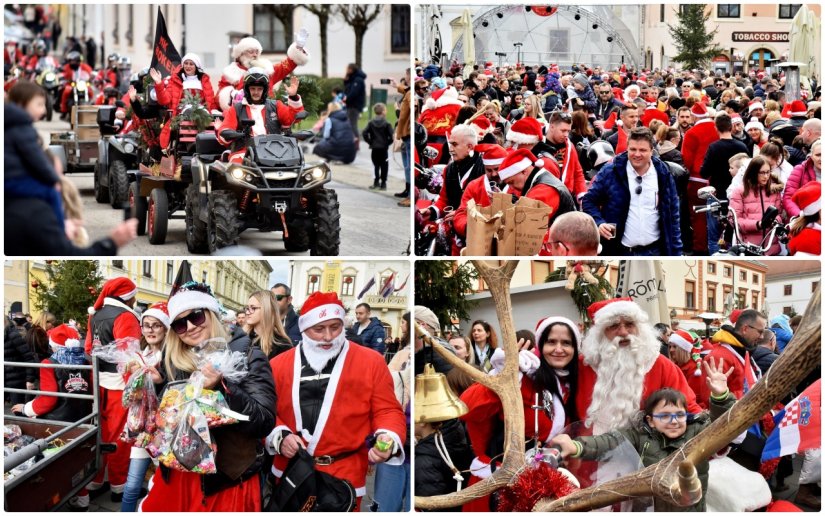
[349, 278]
[211, 30]
[789, 286]
[752, 36]
[16, 284]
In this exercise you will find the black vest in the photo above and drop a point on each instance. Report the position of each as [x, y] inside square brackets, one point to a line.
[566, 201]
[455, 171]
[271, 120]
[312, 391]
[103, 331]
[77, 381]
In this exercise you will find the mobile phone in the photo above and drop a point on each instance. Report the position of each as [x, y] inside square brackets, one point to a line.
[385, 81]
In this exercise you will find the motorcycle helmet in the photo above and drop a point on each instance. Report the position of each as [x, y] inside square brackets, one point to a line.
[676, 170]
[255, 77]
[40, 47]
[112, 60]
[124, 63]
[600, 153]
[73, 58]
[137, 79]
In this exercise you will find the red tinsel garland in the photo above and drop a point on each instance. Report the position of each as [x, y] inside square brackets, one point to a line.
[533, 484]
[767, 468]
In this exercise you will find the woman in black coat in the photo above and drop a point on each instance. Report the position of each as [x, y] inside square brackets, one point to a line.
[263, 324]
[15, 349]
[236, 485]
[432, 475]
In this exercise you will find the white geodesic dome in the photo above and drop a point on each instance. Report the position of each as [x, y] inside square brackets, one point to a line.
[563, 35]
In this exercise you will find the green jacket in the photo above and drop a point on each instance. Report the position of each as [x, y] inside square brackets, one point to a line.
[654, 446]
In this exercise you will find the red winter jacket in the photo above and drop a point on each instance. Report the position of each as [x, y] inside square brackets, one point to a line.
[695, 145]
[170, 93]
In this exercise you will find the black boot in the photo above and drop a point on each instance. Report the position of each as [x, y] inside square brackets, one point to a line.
[405, 193]
[375, 184]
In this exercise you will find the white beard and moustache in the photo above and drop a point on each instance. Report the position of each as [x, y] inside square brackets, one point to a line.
[620, 371]
[316, 356]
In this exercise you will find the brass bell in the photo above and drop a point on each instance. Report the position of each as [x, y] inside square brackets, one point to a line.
[434, 400]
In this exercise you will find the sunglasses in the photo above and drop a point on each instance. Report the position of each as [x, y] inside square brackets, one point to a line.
[555, 116]
[196, 317]
[279, 297]
[639, 188]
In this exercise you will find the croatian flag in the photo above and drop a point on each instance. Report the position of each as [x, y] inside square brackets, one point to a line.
[798, 425]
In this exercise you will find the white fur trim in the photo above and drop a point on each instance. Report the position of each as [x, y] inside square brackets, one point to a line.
[225, 97]
[195, 58]
[273, 441]
[28, 409]
[491, 162]
[752, 491]
[514, 169]
[320, 314]
[264, 63]
[233, 73]
[480, 469]
[189, 300]
[70, 343]
[620, 308]
[798, 113]
[521, 138]
[297, 104]
[299, 56]
[755, 105]
[160, 315]
[244, 45]
[547, 321]
[448, 98]
[812, 208]
[277, 472]
[681, 342]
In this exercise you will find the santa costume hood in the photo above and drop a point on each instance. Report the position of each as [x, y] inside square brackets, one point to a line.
[233, 73]
[440, 98]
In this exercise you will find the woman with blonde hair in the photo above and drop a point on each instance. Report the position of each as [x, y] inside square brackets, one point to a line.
[194, 313]
[263, 324]
[532, 108]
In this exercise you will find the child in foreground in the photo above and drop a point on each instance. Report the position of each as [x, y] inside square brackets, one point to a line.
[660, 429]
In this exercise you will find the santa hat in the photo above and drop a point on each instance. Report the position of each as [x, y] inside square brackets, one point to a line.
[443, 97]
[602, 311]
[734, 316]
[798, 108]
[192, 296]
[755, 105]
[809, 198]
[482, 126]
[159, 311]
[690, 343]
[516, 162]
[548, 321]
[736, 119]
[122, 288]
[195, 58]
[525, 131]
[64, 336]
[754, 123]
[699, 110]
[491, 154]
[320, 307]
[244, 45]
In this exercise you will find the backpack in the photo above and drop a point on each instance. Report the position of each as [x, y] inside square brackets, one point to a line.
[305, 489]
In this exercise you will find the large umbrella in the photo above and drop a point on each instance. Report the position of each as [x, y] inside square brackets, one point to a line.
[469, 42]
[805, 41]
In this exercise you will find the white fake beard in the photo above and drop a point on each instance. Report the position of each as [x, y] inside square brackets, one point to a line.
[246, 61]
[620, 371]
[316, 356]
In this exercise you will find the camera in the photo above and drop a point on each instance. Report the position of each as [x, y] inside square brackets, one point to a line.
[385, 81]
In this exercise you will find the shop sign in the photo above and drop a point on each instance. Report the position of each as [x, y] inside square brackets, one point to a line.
[767, 37]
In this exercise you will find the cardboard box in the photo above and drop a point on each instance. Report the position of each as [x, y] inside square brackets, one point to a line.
[506, 229]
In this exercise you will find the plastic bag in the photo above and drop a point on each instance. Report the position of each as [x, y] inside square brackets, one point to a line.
[123, 352]
[231, 364]
[141, 402]
[11, 433]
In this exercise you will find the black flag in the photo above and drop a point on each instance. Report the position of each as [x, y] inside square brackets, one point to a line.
[165, 56]
[184, 276]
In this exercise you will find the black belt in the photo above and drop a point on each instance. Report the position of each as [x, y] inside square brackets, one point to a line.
[640, 248]
[326, 460]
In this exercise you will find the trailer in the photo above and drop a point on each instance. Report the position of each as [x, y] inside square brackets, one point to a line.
[49, 483]
[78, 147]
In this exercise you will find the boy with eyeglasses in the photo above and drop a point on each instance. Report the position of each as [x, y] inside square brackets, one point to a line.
[660, 429]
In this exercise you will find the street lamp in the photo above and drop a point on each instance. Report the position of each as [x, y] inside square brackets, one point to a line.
[518, 52]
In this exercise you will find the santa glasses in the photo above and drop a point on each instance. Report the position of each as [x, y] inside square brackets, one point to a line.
[196, 317]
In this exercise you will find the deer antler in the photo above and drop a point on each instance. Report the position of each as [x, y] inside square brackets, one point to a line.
[505, 385]
[673, 478]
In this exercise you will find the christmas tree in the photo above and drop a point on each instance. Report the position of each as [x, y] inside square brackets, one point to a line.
[695, 44]
[442, 286]
[70, 288]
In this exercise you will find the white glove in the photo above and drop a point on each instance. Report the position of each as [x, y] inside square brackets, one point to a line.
[497, 361]
[301, 38]
[480, 469]
[528, 362]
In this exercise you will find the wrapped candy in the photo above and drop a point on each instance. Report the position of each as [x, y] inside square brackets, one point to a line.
[123, 352]
[231, 364]
[11, 433]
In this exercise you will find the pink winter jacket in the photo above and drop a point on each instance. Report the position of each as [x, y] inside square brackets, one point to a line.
[802, 174]
[749, 211]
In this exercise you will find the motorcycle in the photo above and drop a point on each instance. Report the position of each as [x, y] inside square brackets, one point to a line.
[46, 75]
[432, 236]
[774, 229]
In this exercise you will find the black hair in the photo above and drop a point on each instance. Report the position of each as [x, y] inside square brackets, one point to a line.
[545, 378]
[365, 305]
[287, 290]
[669, 396]
[723, 123]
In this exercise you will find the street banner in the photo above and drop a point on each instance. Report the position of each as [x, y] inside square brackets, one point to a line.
[644, 282]
[165, 56]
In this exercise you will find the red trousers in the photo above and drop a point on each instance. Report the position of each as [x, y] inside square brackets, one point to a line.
[112, 421]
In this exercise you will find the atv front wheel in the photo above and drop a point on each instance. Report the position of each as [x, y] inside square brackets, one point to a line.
[327, 224]
[139, 207]
[158, 217]
[195, 228]
[101, 193]
[224, 220]
[118, 184]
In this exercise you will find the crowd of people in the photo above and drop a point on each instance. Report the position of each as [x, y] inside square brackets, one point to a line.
[304, 378]
[629, 148]
[622, 379]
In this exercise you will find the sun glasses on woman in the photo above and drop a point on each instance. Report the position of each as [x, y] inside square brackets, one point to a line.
[196, 317]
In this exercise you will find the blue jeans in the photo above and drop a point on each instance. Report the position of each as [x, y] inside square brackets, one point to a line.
[714, 232]
[134, 483]
[405, 158]
[392, 488]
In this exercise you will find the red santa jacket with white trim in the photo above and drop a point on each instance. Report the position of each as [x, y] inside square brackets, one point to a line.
[695, 145]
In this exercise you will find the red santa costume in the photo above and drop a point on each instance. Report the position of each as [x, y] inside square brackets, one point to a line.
[564, 165]
[692, 369]
[83, 73]
[536, 187]
[809, 240]
[614, 378]
[231, 81]
[172, 91]
[480, 188]
[438, 115]
[694, 147]
[359, 400]
[110, 319]
[731, 350]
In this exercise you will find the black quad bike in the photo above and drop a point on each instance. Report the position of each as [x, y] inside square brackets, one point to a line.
[273, 189]
[119, 155]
